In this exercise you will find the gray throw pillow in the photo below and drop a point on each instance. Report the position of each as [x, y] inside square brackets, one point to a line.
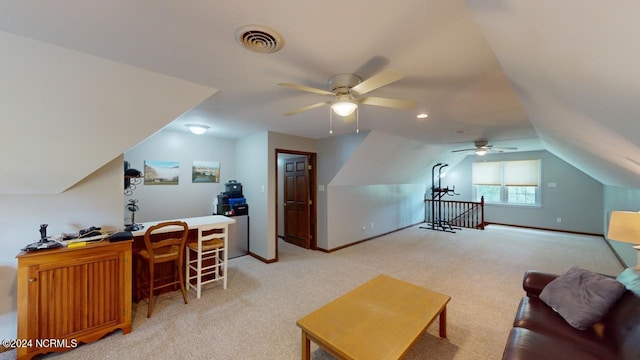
[582, 297]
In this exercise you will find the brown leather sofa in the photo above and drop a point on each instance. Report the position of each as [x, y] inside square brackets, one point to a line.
[539, 333]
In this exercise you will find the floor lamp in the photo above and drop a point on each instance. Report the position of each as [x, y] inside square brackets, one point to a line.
[624, 226]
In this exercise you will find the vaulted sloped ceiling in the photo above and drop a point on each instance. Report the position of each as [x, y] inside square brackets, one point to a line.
[65, 114]
[397, 161]
[574, 67]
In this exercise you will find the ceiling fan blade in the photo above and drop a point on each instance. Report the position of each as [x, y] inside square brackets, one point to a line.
[392, 103]
[306, 88]
[505, 148]
[378, 80]
[461, 150]
[308, 107]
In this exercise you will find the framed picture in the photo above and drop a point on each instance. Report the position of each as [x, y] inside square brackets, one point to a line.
[205, 172]
[161, 172]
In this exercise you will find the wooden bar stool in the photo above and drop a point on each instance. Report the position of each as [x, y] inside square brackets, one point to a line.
[207, 258]
[163, 247]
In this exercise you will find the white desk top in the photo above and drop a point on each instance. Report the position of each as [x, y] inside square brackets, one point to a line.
[194, 223]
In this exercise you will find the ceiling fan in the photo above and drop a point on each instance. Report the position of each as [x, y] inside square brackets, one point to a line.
[347, 91]
[482, 146]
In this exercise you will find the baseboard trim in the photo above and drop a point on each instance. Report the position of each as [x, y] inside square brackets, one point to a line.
[266, 261]
[367, 239]
[541, 228]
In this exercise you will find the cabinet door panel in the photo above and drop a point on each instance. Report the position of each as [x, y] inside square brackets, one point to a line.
[73, 294]
[78, 297]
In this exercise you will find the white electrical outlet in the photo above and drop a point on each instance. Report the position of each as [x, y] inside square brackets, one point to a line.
[371, 224]
[559, 220]
[364, 228]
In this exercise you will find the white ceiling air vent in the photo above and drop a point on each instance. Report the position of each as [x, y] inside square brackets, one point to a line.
[259, 38]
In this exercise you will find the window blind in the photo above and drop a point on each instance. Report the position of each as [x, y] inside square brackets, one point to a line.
[487, 173]
[521, 173]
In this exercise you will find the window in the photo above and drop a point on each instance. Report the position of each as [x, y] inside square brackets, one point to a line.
[509, 182]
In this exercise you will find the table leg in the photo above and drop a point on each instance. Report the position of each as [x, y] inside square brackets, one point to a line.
[226, 257]
[306, 346]
[443, 322]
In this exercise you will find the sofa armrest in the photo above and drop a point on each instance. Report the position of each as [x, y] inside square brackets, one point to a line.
[534, 281]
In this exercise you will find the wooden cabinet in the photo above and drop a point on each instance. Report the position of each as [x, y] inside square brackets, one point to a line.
[72, 296]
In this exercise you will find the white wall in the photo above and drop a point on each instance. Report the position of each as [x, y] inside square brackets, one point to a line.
[576, 199]
[377, 178]
[252, 162]
[333, 153]
[364, 211]
[95, 201]
[59, 105]
[187, 199]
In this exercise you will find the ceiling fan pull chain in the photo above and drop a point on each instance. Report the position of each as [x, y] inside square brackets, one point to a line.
[357, 122]
[330, 121]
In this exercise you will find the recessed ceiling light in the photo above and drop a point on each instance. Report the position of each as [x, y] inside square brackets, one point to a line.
[422, 116]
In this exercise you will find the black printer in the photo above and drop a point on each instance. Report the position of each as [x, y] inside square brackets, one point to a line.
[232, 201]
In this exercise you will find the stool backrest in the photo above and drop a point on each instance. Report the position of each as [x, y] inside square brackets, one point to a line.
[155, 242]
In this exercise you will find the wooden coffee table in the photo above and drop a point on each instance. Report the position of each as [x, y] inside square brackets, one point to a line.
[380, 319]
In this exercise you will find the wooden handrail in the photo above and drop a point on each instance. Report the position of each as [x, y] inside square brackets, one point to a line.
[466, 214]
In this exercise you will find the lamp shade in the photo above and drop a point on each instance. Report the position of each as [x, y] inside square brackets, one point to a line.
[624, 226]
[344, 106]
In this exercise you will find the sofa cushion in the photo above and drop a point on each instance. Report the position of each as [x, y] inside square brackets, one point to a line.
[631, 346]
[535, 315]
[582, 297]
[622, 319]
[524, 344]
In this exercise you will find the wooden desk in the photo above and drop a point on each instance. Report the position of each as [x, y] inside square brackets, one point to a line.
[73, 296]
[220, 222]
[380, 319]
[194, 223]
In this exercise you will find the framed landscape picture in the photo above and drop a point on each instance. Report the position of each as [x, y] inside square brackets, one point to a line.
[205, 172]
[161, 172]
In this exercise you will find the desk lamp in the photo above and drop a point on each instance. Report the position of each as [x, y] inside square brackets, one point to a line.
[624, 226]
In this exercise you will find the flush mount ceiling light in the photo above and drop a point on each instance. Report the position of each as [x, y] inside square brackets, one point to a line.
[422, 116]
[197, 129]
[344, 106]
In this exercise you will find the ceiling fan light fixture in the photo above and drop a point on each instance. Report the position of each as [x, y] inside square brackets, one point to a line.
[481, 152]
[344, 106]
[197, 129]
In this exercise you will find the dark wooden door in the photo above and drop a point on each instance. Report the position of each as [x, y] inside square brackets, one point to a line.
[297, 202]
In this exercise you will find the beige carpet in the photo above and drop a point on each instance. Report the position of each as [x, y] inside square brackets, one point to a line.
[255, 317]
